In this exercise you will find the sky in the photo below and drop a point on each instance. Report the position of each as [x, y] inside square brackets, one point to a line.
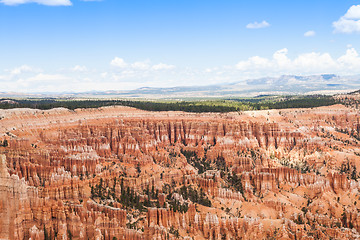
[85, 45]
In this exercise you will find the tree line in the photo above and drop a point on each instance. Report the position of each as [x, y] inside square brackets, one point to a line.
[226, 105]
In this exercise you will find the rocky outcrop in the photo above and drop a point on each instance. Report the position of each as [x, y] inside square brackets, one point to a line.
[122, 173]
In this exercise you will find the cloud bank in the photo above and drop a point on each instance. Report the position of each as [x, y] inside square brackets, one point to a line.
[350, 22]
[124, 75]
[306, 63]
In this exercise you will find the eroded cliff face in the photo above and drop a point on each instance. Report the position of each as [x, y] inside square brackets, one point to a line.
[121, 173]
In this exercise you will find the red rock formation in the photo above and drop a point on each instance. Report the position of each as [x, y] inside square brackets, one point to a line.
[72, 173]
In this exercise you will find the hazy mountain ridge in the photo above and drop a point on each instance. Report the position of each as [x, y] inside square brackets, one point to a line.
[285, 84]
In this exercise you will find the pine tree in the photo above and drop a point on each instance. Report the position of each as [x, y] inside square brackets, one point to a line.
[344, 219]
[46, 235]
[354, 174]
[152, 191]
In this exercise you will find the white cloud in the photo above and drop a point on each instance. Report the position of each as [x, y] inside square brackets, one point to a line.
[353, 12]
[256, 25]
[46, 78]
[350, 60]
[306, 63]
[104, 74]
[39, 83]
[162, 66]
[131, 68]
[129, 75]
[42, 2]
[79, 68]
[23, 69]
[309, 33]
[17, 72]
[118, 62]
[255, 62]
[141, 65]
[350, 22]
[312, 62]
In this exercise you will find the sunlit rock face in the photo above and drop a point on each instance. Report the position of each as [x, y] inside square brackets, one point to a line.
[121, 173]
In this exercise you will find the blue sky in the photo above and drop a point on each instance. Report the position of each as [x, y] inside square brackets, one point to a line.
[73, 45]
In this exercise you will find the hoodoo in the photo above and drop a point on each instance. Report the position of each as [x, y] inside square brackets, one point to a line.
[121, 173]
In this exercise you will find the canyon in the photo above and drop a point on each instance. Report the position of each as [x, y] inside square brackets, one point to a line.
[122, 173]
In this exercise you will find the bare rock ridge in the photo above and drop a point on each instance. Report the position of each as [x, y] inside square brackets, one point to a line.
[121, 173]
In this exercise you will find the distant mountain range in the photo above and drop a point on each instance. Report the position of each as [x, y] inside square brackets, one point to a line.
[286, 84]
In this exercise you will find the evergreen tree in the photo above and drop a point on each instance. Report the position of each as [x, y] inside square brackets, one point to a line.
[354, 174]
[46, 235]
